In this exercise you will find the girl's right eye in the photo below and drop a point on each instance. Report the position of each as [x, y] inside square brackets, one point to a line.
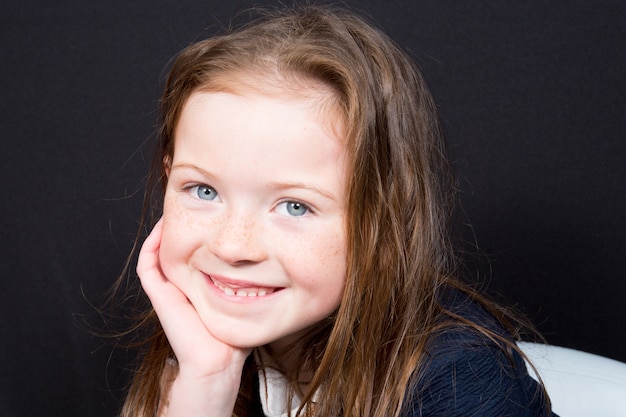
[203, 192]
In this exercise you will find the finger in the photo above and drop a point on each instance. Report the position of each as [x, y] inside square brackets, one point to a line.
[148, 261]
[161, 292]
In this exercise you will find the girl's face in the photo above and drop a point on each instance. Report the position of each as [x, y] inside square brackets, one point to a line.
[253, 230]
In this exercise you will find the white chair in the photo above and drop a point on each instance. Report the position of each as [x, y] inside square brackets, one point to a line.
[579, 384]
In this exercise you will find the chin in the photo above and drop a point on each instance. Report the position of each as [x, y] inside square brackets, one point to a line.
[238, 338]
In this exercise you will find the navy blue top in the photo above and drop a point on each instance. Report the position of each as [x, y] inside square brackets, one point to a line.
[469, 375]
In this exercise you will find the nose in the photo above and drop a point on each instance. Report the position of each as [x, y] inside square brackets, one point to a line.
[238, 239]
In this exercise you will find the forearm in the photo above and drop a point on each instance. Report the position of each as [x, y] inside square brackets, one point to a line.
[190, 394]
[194, 397]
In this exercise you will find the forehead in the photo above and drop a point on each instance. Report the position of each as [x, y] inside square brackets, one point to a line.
[269, 119]
[324, 100]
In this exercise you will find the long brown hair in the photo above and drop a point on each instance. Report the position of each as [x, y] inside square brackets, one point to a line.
[361, 360]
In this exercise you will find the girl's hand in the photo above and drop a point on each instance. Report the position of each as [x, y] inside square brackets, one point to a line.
[209, 371]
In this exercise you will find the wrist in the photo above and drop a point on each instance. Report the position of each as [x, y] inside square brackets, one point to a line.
[192, 396]
[193, 393]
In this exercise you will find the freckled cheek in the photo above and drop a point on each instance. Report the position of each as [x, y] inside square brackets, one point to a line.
[337, 256]
[320, 263]
[181, 234]
[172, 219]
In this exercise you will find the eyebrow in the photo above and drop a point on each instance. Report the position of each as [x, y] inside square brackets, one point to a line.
[276, 186]
[290, 185]
[193, 168]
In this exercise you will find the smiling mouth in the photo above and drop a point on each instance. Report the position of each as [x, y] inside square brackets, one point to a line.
[243, 291]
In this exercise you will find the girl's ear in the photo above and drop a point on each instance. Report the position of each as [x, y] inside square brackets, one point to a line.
[167, 165]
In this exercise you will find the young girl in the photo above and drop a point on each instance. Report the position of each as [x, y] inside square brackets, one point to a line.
[302, 264]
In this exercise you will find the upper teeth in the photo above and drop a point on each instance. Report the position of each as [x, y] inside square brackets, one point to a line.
[241, 292]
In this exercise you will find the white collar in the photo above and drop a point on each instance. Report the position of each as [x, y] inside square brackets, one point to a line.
[274, 393]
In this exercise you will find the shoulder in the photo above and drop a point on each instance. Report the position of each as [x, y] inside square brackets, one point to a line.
[466, 373]
[478, 381]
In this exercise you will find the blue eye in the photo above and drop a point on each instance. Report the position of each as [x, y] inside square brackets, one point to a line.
[204, 192]
[295, 208]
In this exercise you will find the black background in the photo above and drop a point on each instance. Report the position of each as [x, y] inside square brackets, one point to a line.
[532, 97]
